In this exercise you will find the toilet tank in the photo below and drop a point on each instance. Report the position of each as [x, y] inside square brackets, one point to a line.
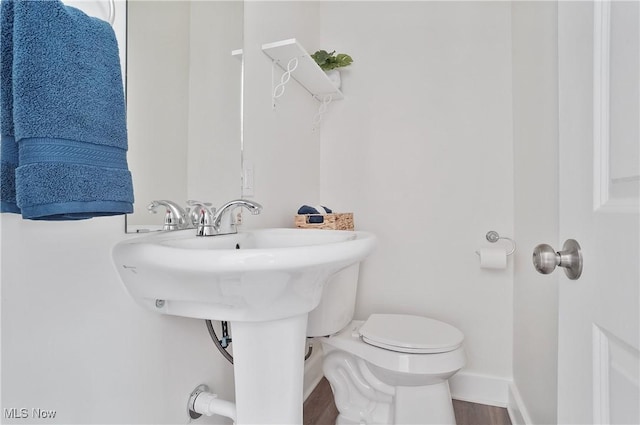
[338, 302]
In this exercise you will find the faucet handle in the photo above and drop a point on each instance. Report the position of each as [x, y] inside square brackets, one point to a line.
[171, 222]
[198, 209]
[204, 222]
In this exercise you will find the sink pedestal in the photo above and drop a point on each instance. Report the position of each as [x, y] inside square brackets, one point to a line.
[269, 370]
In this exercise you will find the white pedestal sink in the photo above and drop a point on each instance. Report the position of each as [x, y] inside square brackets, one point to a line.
[264, 282]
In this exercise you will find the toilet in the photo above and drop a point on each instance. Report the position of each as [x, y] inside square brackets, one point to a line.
[388, 369]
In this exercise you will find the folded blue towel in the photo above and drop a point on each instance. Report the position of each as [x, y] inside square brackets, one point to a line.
[315, 215]
[8, 146]
[68, 114]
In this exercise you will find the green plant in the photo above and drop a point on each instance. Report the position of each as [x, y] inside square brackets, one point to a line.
[328, 61]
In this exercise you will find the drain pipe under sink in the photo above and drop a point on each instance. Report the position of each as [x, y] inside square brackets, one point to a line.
[202, 402]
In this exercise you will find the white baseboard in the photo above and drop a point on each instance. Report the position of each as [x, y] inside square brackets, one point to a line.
[312, 370]
[516, 408]
[482, 389]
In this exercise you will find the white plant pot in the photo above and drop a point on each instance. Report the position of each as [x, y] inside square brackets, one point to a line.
[334, 76]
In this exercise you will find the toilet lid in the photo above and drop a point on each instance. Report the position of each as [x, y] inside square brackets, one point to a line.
[410, 334]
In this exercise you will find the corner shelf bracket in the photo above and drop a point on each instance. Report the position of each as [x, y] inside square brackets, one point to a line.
[278, 90]
[317, 119]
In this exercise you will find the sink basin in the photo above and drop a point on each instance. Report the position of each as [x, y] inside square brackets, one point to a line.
[258, 275]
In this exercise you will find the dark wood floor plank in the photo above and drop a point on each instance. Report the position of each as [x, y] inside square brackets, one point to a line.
[479, 414]
[319, 409]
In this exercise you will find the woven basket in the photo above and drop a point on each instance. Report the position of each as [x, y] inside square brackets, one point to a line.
[340, 221]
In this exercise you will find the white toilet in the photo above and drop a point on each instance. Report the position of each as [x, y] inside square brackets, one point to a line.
[389, 369]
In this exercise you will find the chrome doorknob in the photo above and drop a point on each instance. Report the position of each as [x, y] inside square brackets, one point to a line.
[545, 259]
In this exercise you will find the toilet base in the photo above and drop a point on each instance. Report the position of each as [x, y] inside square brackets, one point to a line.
[430, 404]
[361, 398]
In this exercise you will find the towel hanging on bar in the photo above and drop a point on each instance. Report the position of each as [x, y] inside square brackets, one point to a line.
[63, 113]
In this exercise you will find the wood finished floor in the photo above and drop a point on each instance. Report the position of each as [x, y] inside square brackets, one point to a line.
[319, 409]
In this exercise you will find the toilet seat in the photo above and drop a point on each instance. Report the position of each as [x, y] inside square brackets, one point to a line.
[350, 341]
[410, 334]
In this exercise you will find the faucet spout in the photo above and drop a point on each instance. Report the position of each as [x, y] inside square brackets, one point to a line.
[253, 207]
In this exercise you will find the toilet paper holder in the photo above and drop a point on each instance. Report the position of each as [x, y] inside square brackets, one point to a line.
[493, 237]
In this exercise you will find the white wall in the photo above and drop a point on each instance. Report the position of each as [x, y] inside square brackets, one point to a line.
[421, 151]
[535, 112]
[74, 341]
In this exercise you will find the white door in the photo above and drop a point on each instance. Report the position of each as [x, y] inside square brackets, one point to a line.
[599, 91]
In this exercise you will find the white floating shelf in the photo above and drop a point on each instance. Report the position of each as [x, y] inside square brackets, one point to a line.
[308, 73]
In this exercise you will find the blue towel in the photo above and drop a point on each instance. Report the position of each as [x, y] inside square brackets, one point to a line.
[68, 114]
[8, 146]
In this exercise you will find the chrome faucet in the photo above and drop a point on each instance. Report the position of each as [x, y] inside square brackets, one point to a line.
[201, 218]
[254, 207]
[175, 217]
[207, 221]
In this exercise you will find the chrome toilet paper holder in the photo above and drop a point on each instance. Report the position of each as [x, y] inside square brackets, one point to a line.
[493, 237]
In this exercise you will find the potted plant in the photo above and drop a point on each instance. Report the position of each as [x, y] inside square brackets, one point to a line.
[328, 62]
